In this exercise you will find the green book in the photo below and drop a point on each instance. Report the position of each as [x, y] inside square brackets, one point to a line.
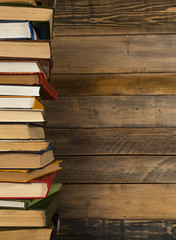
[28, 204]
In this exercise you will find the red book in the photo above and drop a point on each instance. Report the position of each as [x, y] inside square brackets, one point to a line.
[35, 189]
[27, 73]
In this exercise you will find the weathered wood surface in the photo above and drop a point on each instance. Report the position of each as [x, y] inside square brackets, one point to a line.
[115, 84]
[112, 141]
[99, 229]
[121, 111]
[118, 201]
[85, 17]
[117, 169]
[114, 54]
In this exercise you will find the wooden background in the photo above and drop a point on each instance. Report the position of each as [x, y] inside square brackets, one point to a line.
[114, 123]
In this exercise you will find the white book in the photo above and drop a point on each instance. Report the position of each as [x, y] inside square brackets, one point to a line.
[18, 66]
[17, 30]
[14, 90]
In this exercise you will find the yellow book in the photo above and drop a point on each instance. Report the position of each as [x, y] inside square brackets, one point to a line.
[26, 175]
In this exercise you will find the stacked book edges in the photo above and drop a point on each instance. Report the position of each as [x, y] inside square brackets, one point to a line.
[28, 195]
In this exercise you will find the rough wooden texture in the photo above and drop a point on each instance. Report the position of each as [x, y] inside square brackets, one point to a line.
[118, 201]
[85, 17]
[117, 169]
[112, 141]
[121, 111]
[99, 229]
[114, 54]
[115, 84]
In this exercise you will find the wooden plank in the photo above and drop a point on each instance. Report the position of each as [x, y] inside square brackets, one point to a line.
[121, 141]
[104, 17]
[118, 201]
[100, 229]
[115, 84]
[120, 111]
[117, 169]
[114, 54]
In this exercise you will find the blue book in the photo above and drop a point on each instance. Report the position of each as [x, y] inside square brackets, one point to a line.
[17, 30]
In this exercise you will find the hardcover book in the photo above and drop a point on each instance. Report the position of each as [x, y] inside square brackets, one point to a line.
[30, 190]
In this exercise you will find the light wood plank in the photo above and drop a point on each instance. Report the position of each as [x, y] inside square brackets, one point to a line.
[115, 84]
[121, 111]
[117, 169]
[83, 17]
[113, 141]
[118, 201]
[114, 54]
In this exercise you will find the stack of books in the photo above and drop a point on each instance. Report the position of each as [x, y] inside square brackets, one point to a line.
[28, 196]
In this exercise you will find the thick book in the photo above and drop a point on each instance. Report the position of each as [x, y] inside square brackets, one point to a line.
[20, 2]
[20, 102]
[40, 216]
[31, 190]
[28, 203]
[21, 116]
[17, 175]
[41, 18]
[26, 234]
[17, 30]
[21, 132]
[29, 146]
[13, 160]
[25, 49]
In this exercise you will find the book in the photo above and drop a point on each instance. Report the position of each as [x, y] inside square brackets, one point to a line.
[14, 102]
[21, 116]
[41, 18]
[47, 233]
[25, 49]
[16, 70]
[13, 160]
[28, 203]
[19, 90]
[39, 216]
[32, 146]
[31, 190]
[17, 30]
[21, 2]
[26, 73]
[27, 175]
[27, 234]
[21, 131]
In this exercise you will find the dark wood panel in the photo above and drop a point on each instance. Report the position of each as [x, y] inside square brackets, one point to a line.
[121, 111]
[115, 84]
[117, 169]
[146, 141]
[85, 17]
[118, 201]
[99, 229]
[114, 54]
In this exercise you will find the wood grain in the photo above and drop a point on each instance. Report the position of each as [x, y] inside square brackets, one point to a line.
[115, 84]
[113, 141]
[118, 201]
[117, 169]
[100, 229]
[84, 17]
[114, 54]
[120, 111]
